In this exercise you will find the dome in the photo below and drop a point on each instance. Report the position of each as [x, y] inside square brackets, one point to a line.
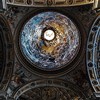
[49, 40]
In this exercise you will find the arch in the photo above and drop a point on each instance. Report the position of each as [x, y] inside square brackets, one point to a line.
[49, 83]
[6, 53]
[93, 55]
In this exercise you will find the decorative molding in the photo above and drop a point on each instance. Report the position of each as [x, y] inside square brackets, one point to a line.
[52, 85]
[93, 55]
[49, 3]
[8, 53]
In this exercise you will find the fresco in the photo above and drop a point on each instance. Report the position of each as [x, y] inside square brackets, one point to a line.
[45, 52]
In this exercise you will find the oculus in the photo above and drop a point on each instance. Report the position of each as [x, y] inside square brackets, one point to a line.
[49, 35]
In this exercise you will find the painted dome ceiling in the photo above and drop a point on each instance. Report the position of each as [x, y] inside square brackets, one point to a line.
[49, 40]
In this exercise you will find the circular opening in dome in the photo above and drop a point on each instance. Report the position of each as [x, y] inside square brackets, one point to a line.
[49, 40]
[49, 35]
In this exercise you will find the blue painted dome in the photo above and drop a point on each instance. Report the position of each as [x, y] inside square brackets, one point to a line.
[49, 40]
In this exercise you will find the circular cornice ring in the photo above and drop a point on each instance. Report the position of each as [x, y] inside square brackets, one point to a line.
[30, 66]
